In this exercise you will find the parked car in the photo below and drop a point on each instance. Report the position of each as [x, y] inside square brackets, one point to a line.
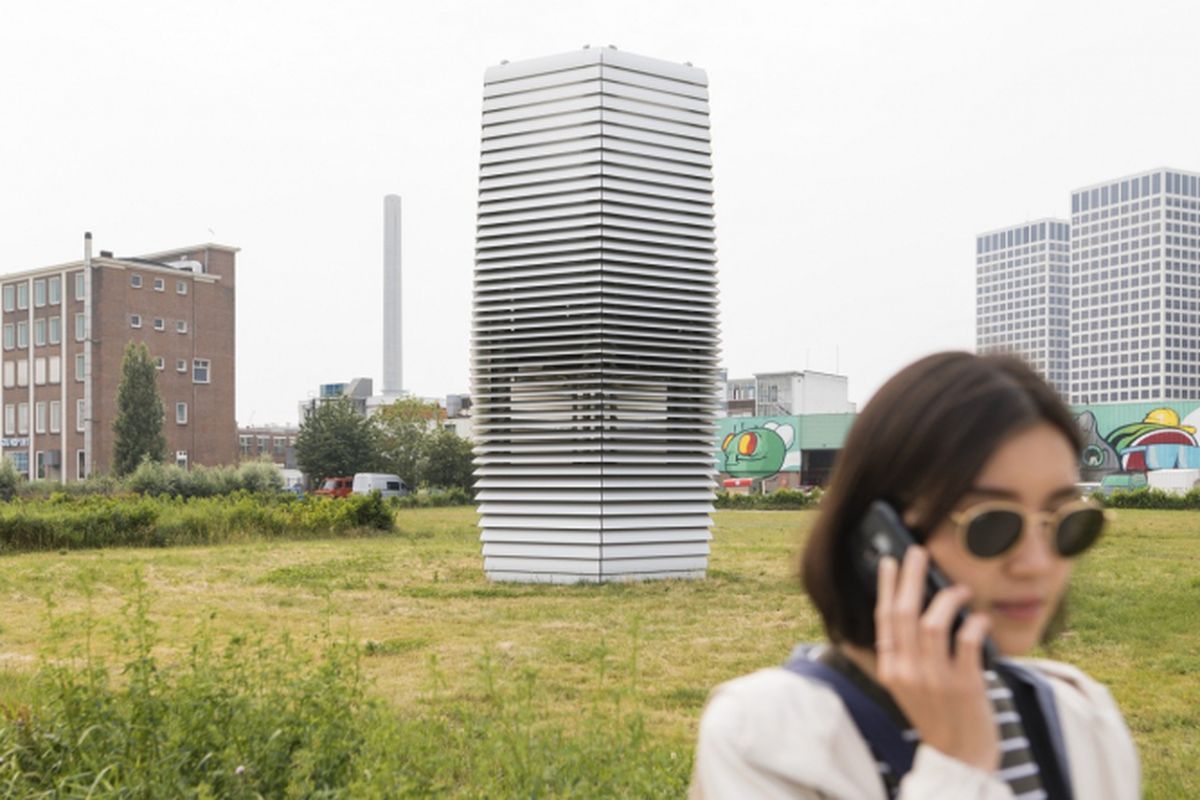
[1122, 481]
[336, 487]
[387, 485]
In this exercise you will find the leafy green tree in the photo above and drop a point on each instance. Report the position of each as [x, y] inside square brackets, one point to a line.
[447, 460]
[336, 440]
[139, 422]
[404, 426]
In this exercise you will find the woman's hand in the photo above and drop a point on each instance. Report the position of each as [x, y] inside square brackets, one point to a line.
[944, 696]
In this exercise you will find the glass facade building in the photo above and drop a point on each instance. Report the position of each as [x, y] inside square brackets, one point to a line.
[1135, 309]
[1022, 296]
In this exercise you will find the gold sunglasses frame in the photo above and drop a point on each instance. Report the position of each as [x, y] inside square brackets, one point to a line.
[1047, 521]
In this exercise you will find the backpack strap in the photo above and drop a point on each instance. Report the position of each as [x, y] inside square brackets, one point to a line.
[883, 736]
[1034, 697]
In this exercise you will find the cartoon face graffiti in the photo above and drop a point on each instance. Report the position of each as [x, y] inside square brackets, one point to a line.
[1160, 441]
[757, 452]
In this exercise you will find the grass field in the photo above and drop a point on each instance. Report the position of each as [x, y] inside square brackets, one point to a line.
[429, 623]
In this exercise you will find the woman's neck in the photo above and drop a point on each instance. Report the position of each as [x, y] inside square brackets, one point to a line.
[861, 657]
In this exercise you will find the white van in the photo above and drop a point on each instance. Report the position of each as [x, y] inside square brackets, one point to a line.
[386, 485]
[1179, 481]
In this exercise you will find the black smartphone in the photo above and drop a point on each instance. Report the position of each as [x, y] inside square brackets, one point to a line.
[882, 533]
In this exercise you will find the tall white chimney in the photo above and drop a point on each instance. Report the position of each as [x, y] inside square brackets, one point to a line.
[393, 382]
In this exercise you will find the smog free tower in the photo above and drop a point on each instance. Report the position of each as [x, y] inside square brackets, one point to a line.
[594, 341]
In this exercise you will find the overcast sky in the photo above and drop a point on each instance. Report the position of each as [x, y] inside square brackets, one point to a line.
[857, 148]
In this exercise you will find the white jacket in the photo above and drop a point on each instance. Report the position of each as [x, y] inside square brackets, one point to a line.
[775, 734]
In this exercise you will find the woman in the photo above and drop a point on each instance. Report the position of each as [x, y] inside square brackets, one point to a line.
[979, 458]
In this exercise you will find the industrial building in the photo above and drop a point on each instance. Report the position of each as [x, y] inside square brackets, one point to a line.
[65, 328]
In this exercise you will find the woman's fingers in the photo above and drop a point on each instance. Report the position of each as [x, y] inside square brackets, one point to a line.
[968, 653]
[908, 602]
[938, 620]
[885, 639]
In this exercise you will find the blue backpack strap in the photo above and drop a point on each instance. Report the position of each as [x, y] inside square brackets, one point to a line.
[882, 734]
[1043, 694]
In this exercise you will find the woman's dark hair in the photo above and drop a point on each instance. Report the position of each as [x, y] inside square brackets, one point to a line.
[925, 435]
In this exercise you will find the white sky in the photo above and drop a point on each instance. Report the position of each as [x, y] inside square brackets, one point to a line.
[858, 147]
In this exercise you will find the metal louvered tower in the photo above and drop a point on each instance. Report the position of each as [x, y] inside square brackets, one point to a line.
[595, 332]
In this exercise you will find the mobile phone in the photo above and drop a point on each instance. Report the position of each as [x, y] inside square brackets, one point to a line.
[882, 533]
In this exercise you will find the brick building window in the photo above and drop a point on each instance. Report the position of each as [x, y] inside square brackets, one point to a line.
[135, 280]
[54, 287]
[181, 326]
[181, 287]
[80, 414]
[135, 320]
[55, 416]
[200, 370]
[10, 293]
[39, 293]
[55, 330]
[160, 324]
[181, 413]
[80, 286]
[181, 365]
[80, 327]
[159, 284]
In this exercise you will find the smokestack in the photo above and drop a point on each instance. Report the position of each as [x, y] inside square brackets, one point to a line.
[87, 248]
[393, 382]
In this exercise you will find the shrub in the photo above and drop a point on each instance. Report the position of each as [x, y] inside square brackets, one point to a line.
[778, 500]
[261, 719]
[1153, 499]
[8, 479]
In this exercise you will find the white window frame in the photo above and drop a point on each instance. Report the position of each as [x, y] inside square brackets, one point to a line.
[10, 298]
[10, 419]
[160, 363]
[135, 280]
[22, 296]
[181, 287]
[80, 285]
[10, 336]
[39, 332]
[80, 326]
[135, 320]
[55, 369]
[39, 416]
[39, 371]
[22, 372]
[80, 414]
[181, 326]
[22, 334]
[22, 419]
[55, 416]
[207, 367]
[54, 290]
[160, 285]
[181, 365]
[160, 324]
[181, 413]
[10, 374]
[39, 292]
[80, 366]
[54, 330]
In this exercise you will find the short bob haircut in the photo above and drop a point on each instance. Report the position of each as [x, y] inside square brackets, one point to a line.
[918, 444]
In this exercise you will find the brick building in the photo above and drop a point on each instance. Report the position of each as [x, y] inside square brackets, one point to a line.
[65, 328]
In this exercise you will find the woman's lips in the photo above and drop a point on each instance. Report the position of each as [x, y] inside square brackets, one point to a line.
[1019, 610]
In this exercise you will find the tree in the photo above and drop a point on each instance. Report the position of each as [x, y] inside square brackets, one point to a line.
[404, 427]
[139, 422]
[336, 440]
[447, 460]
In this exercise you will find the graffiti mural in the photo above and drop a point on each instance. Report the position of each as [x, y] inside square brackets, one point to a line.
[758, 447]
[1139, 439]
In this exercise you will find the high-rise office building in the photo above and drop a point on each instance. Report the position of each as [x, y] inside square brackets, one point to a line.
[1135, 307]
[1022, 295]
[595, 319]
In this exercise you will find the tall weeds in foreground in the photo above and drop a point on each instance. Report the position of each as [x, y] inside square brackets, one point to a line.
[261, 719]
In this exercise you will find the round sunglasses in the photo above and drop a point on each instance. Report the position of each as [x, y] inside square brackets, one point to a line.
[991, 529]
